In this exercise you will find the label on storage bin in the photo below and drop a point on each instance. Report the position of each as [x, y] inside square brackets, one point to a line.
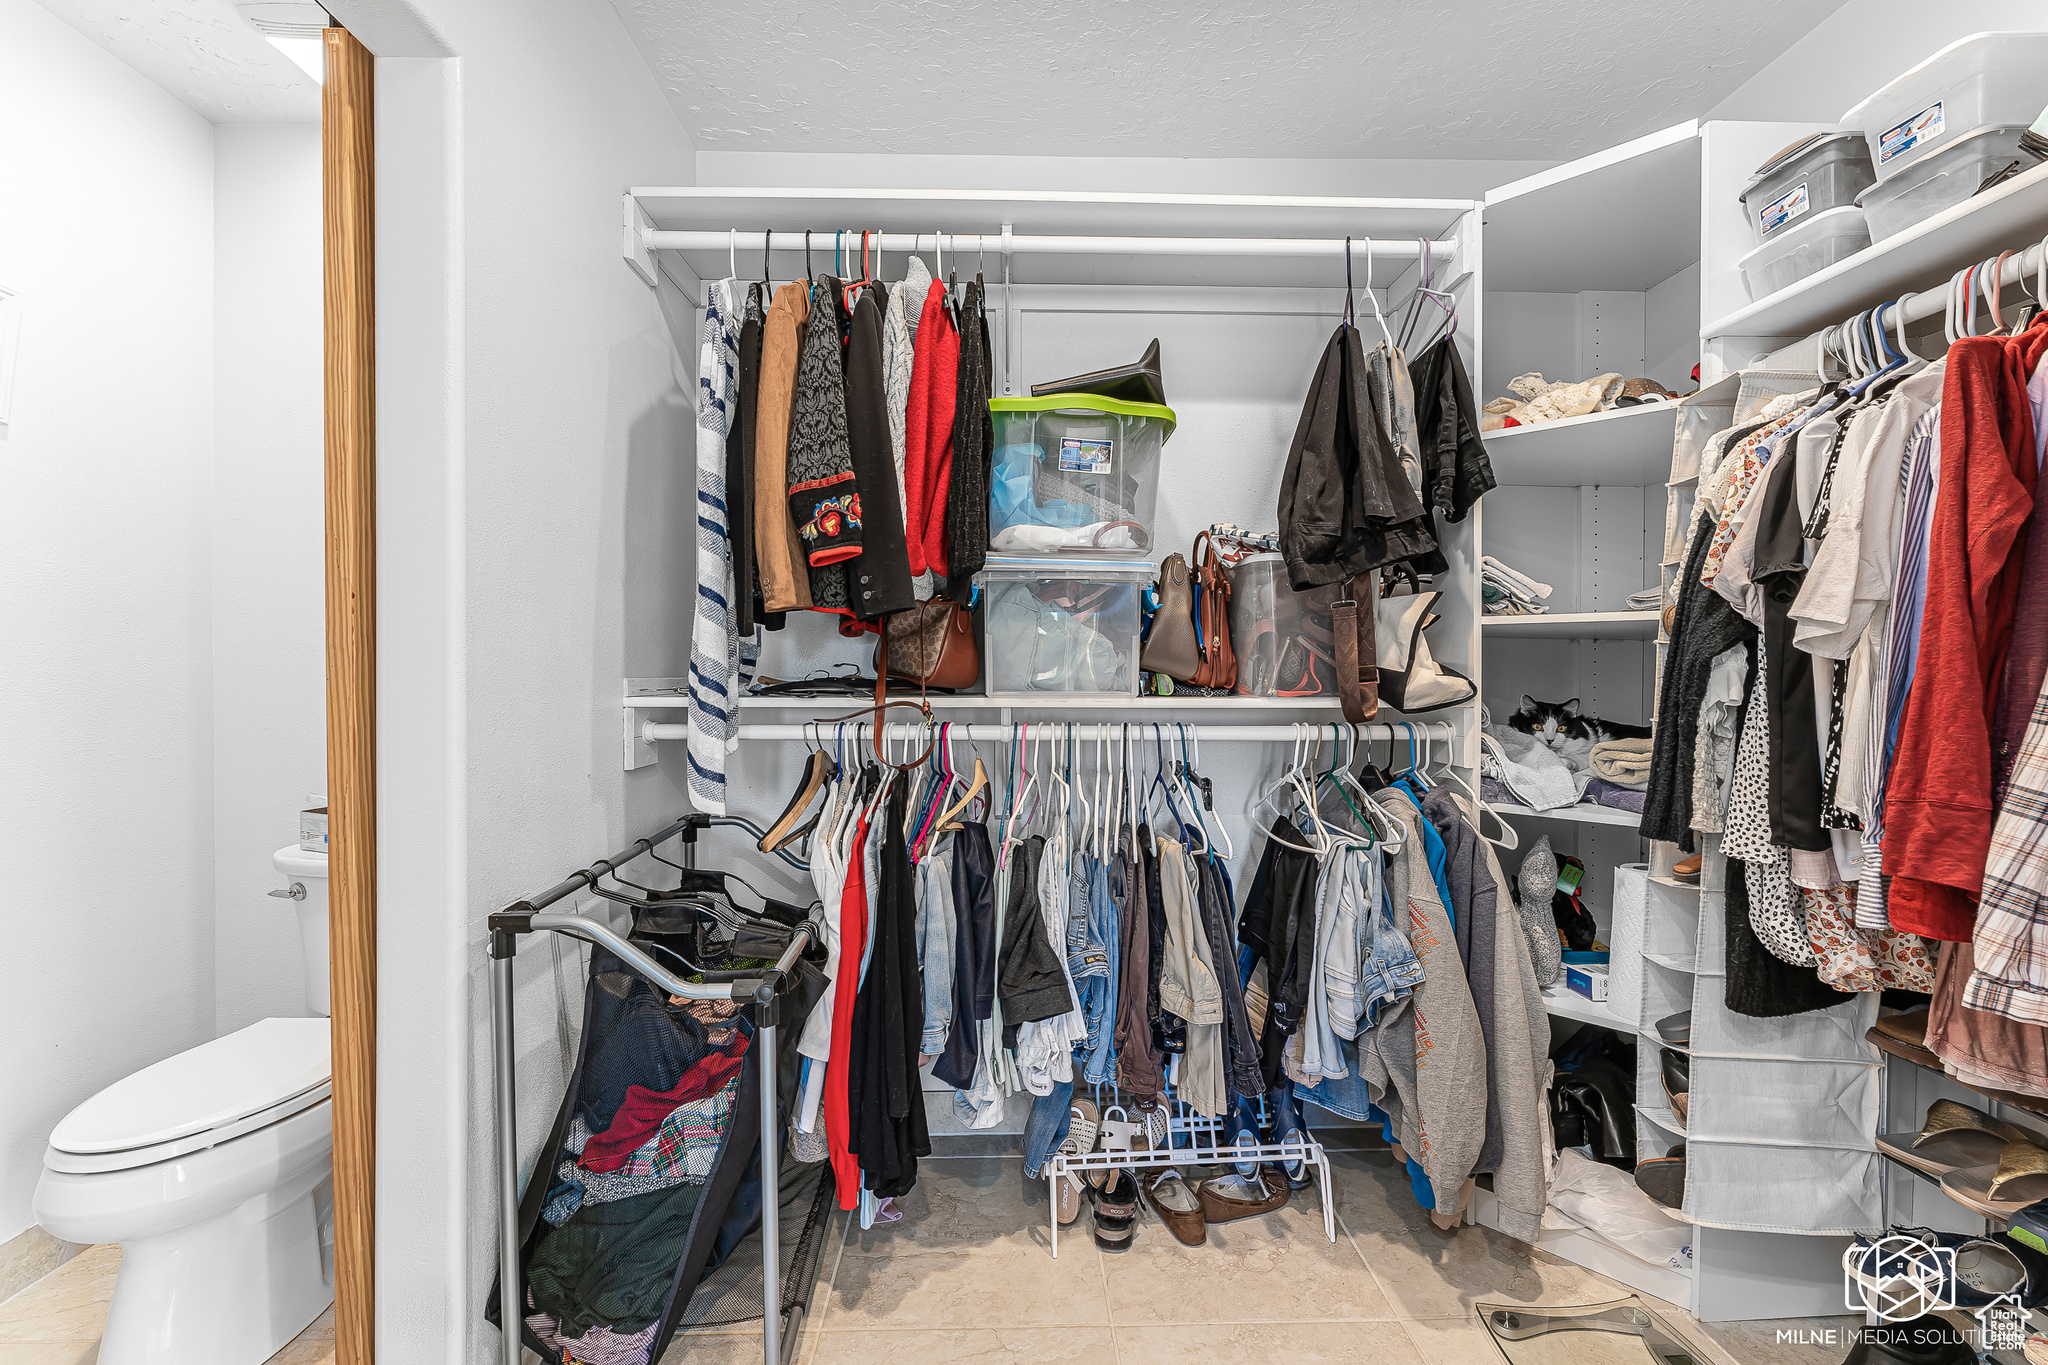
[1901, 138]
[1782, 210]
[1085, 457]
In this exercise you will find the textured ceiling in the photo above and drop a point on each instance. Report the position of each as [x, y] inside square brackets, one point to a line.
[1314, 78]
[202, 52]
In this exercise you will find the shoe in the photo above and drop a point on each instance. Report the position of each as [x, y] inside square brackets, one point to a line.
[1663, 1177]
[1686, 869]
[1675, 1070]
[1953, 1138]
[1179, 1208]
[1116, 1211]
[2018, 1180]
[1230, 1197]
[1989, 1268]
[1676, 1029]
[1910, 1027]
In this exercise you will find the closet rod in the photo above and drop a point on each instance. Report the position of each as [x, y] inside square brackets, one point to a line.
[791, 243]
[1213, 734]
[1932, 303]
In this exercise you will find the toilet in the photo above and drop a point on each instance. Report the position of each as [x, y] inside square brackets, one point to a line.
[214, 1171]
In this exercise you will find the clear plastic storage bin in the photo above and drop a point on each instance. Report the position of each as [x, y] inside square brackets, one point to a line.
[1942, 179]
[1815, 174]
[1815, 243]
[1066, 630]
[1974, 82]
[1074, 473]
[1282, 638]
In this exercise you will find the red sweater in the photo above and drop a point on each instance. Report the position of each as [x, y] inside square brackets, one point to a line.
[1938, 810]
[928, 433]
[853, 940]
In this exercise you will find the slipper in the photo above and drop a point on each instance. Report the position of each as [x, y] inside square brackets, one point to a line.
[1178, 1208]
[1953, 1138]
[2020, 1178]
[1675, 1071]
[1686, 869]
[1676, 1029]
[1663, 1177]
[1230, 1197]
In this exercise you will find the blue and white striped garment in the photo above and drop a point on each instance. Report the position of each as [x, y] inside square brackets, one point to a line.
[721, 664]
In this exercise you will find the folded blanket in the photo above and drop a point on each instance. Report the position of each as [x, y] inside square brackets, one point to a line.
[1624, 762]
[1513, 580]
[1606, 793]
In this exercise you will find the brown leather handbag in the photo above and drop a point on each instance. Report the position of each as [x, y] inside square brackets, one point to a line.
[931, 644]
[1353, 626]
[1218, 664]
[1171, 647]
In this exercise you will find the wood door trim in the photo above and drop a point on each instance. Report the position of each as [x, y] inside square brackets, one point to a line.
[349, 266]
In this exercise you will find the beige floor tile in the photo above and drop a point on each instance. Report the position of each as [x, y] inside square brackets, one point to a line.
[1297, 1343]
[1014, 1286]
[1452, 1341]
[1276, 1268]
[68, 1304]
[1788, 1341]
[1373, 1191]
[961, 1204]
[959, 1346]
[305, 1350]
[1432, 1274]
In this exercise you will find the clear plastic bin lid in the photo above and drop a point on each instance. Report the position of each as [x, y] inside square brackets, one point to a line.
[1010, 568]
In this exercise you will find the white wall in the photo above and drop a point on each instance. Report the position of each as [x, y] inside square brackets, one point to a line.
[1859, 48]
[536, 456]
[269, 722]
[105, 511]
[1385, 178]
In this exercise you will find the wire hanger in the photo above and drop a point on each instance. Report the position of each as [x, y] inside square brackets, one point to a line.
[1374, 299]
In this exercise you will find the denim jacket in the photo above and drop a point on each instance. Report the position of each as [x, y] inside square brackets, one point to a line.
[937, 931]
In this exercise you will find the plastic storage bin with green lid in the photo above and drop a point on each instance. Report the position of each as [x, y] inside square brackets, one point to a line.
[1074, 473]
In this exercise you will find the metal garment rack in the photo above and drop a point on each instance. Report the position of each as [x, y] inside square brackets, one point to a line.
[652, 731]
[762, 997]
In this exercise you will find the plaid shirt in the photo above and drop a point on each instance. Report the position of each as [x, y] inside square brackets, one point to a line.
[687, 1143]
[2011, 975]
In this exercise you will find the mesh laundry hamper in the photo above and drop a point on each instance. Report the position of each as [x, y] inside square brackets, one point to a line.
[649, 1178]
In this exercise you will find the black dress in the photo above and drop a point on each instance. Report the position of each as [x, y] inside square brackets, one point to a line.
[739, 476]
[885, 1106]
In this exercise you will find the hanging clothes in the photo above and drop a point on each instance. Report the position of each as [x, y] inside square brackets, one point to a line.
[739, 470]
[900, 321]
[1456, 471]
[721, 662]
[778, 551]
[967, 485]
[878, 581]
[885, 1106]
[928, 435]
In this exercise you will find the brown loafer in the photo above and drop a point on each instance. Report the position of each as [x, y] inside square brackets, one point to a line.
[1686, 869]
[1178, 1208]
[1223, 1200]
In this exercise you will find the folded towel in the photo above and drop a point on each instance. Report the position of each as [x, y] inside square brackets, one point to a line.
[1649, 599]
[1624, 762]
[1511, 579]
[1539, 777]
[1613, 794]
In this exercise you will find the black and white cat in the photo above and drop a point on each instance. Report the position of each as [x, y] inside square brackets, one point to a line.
[1560, 726]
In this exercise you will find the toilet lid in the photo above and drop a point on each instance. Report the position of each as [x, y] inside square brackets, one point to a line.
[264, 1067]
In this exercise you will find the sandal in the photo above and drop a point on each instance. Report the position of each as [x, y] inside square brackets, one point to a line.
[1179, 1208]
[1082, 1126]
[1116, 1211]
[1954, 1138]
[2020, 1178]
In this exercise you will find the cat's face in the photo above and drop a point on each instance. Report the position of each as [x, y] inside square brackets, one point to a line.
[1553, 722]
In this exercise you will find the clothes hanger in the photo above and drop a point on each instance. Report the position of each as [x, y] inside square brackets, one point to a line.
[1374, 299]
[1190, 780]
[1481, 807]
[767, 250]
[1290, 779]
[1349, 318]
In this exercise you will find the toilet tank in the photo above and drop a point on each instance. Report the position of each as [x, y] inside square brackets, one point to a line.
[307, 872]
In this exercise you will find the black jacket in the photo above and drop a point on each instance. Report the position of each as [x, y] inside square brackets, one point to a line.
[974, 954]
[1345, 505]
[1032, 978]
[1455, 470]
[878, 581]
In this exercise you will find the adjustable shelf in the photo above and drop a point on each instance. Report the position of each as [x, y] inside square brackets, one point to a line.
[1576, 625]
[1628, 447]
[1569, 1004]
[1585, 813]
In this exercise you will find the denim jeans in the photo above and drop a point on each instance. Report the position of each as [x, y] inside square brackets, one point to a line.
[1047, 1127]
[1098, 993]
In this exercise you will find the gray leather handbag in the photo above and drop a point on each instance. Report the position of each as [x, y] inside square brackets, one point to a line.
[1171, 646]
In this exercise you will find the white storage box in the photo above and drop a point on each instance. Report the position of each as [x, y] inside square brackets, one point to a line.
[1974, 82]
[1062, 629]
[1074, 473]
[1815, 243]
[1815, 174]
[1282, 638]
[1942, 179]
[1588, 979]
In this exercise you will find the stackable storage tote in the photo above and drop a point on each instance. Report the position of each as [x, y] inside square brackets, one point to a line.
[1943, 178]
[1065, 628]
[1984, 80]
[1282, 638]
[1075, 473]
[1815, 174]
[1814, 243]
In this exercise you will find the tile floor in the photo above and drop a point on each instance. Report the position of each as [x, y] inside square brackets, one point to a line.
[966, 1277]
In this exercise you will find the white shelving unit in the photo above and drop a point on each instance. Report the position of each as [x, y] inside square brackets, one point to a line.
[1628, 446]
[1584, 813]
